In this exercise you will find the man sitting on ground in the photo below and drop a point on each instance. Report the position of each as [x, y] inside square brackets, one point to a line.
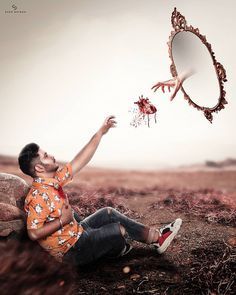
[52, 222]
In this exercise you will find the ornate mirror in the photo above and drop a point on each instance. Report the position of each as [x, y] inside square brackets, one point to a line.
[189, 51]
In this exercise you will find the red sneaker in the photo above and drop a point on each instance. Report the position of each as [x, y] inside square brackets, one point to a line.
[167, 235]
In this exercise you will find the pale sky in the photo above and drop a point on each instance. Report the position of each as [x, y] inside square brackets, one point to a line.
[67, 64]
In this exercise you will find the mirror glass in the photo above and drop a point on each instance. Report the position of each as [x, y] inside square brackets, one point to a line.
[190, 54]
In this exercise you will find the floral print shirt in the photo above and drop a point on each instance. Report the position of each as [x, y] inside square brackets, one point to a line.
[43, 204]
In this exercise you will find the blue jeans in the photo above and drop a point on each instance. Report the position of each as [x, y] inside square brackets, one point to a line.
[102, 236]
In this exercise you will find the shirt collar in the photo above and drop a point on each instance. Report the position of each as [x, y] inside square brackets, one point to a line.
[49, 181]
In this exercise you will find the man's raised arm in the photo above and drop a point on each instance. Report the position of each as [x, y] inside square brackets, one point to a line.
[87, 152]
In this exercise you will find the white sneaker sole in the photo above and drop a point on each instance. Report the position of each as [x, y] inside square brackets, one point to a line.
[169, 239]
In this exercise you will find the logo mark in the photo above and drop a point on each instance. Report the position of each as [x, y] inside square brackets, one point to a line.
[15, 10]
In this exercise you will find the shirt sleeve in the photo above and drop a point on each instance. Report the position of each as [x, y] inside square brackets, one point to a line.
[37, 212]
[64, 174]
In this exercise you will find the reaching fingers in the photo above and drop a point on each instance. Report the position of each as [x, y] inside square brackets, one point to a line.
[175, 83]
[168, 84]
[156, 86]
[172, 97]
[109, 118]
[175, 91]
[111, 123]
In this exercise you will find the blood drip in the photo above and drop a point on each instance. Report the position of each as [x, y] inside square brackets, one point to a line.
[145, 109]
[61, 193]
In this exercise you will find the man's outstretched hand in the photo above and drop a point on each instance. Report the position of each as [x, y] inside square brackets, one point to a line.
[108, 123]
[87, 152]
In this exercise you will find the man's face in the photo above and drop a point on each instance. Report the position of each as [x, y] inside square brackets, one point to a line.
[48, 161]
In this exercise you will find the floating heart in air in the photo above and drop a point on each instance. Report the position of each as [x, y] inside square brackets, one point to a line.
[145, 109]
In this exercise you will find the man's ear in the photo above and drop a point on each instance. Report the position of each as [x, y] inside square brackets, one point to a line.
[39, 168]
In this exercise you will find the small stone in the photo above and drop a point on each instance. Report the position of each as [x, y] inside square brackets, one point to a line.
[135, 276]
[126, 269]
[62, 283]
[232, 241]
[121, 287]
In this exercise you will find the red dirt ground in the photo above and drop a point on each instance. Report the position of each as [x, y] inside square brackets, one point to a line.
[201, 260]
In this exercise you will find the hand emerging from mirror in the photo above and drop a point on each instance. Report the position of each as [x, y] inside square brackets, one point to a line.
[175, 83]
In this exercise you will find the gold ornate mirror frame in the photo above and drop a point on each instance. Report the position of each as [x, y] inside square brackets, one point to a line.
[179, 24]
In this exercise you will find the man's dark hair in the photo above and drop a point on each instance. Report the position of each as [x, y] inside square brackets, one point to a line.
[26, 156]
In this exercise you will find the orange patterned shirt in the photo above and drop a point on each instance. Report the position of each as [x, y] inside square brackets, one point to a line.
[43, 204]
